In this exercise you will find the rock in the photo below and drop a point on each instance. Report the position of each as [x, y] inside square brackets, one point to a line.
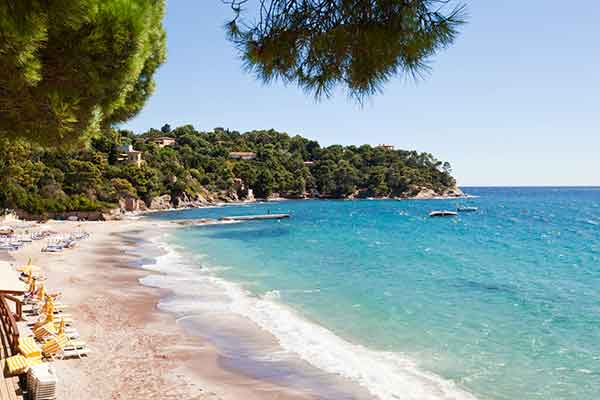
[185, 201]
[425, 193]
[132, 204]
[161, 202]
[112, 214]
[453, 192]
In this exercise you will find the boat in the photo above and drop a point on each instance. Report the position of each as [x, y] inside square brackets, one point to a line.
[443, 213]
[467, 209]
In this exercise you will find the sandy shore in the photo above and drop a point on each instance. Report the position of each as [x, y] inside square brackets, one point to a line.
[138, 352]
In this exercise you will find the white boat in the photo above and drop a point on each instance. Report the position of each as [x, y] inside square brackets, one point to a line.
[443, 213]
[467, 209]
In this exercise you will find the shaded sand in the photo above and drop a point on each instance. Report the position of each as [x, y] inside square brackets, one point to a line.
[138, 352]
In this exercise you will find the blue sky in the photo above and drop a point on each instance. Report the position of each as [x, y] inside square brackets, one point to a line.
[516, 101]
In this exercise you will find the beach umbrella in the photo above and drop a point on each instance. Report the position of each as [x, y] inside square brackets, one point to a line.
[28, 268]
[32, 286]
[49, 303]
[49, 306]
[61, 327]
[41, 292]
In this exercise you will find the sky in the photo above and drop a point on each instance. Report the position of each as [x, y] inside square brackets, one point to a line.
[514, 102]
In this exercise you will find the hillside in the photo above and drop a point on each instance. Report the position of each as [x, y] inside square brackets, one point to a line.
[192, 168]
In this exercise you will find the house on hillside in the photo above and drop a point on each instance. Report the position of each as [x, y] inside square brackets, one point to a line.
[389, 147]
[127, 155]
[242, 155]
[163, 141]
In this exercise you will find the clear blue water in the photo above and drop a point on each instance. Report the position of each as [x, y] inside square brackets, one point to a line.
[505, 301]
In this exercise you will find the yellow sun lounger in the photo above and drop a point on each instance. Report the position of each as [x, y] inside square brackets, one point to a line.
[29, 348]
[53, 346]
[17, 365]
[44, 331]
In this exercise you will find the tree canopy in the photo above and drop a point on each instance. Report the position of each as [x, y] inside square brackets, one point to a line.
[358, 44]
[70, 67]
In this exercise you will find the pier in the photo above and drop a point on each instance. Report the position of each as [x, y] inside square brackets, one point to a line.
[254, 217]
[237, 218]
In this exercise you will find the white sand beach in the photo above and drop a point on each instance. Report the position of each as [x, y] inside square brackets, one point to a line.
[137, 351]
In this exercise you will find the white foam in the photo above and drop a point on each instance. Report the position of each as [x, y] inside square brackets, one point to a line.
[387, 375]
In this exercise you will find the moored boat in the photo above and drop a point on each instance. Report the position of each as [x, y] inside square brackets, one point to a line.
[443, 213]
[467, 209]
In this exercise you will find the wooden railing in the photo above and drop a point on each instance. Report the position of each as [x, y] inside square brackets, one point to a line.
[18, 306]
[10, 325]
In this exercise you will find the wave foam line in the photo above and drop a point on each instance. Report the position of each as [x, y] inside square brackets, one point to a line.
[387, 375]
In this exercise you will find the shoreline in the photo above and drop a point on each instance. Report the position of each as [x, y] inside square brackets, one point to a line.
[315, 358]
[210, 355]
[136, 347]
[141, 213]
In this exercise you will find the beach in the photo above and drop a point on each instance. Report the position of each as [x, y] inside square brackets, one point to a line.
[137, 351]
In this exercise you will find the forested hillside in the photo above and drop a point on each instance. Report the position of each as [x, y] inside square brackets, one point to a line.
[198, 168]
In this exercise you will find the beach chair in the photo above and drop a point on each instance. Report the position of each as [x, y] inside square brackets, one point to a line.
[45, 331]
[53, 346]
[57, 308]
[49, 316]
[36, 297]
[19, 364]
[60, 347]
[29, 348]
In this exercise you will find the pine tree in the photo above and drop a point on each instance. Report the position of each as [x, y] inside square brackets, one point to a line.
[70, 67]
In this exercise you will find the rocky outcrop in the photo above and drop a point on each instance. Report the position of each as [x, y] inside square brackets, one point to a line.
[453, 192]
[425, 193]
[132, 204]
[185, 201]
[161, 202]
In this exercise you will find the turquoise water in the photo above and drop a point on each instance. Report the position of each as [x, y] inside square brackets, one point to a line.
[504, 302]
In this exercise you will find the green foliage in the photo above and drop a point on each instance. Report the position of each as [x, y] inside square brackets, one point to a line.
[69, 68]
[264, 183]
[360, 44]
[40, 180]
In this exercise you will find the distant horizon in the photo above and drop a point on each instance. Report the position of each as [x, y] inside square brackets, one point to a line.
[532, 186]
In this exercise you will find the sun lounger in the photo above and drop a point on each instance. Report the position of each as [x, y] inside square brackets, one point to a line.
[53, 346]
[37, 309]
[37, 324]
[29, 348]
[19, 364]
[45, 331]
[61, 347]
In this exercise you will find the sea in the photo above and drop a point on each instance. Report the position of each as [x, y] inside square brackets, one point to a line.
[375, 299]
